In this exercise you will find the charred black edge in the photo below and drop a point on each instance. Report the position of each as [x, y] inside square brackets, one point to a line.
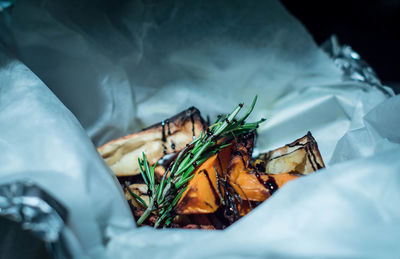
[181, 118]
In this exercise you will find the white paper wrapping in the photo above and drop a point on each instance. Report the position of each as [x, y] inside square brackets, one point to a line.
[349, 210]
[120, 66]
[41, 141]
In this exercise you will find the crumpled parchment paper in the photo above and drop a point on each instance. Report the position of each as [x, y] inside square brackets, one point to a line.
[119, 66]
[41, 141]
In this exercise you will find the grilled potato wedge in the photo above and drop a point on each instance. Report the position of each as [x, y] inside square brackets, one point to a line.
[299, 157]
[162, 139]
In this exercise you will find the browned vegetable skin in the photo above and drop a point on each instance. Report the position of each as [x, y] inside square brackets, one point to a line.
[299, 157]
[165, 138]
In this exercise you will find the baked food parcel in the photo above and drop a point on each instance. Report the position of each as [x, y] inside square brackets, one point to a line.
[184, 173]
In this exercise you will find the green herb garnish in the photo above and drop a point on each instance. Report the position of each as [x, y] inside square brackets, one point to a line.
[164, 196]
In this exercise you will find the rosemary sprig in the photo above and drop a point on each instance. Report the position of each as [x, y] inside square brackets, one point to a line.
[164, 196]
[134, 195]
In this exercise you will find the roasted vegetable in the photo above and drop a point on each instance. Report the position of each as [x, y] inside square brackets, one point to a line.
[194, 176]
[250, 180]
[157, 141]
[242, 176]
[202, 194]
[299, 157]
[270, 171]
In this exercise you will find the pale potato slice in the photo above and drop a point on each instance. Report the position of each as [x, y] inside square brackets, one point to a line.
[164, 138]
[299, 157]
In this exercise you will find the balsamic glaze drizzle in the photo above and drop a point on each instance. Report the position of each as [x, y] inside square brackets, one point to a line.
[168, 127]
[260, 167]
[308, 151]
[270, 184]
[163, 138]
[315, 159]
[165, 149]
[193, 130]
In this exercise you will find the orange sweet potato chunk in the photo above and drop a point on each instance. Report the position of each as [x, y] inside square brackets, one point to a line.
[245, 181]
[241, 175]
[202, 195]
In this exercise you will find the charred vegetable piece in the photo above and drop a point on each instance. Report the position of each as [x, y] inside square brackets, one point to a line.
[299, 157]
[242, 175]
[272, 170]
[202, 194]
[165, 138]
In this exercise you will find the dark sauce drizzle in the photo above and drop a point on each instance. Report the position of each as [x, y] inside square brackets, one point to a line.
[168, 127]
[314, 158]
[163, 138]
[260, 167]
[276, 157]
[308, 151]
[193, 130]
[270, 184]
